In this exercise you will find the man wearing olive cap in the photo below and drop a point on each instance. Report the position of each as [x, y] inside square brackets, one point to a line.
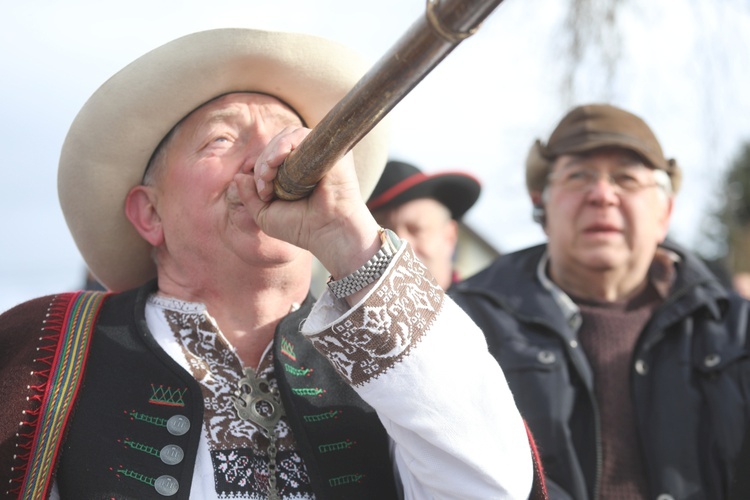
[210, 371]
[627, 358]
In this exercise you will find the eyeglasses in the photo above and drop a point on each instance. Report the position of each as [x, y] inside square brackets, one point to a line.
[627, 180]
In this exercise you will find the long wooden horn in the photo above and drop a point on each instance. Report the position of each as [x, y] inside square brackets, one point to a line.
[432, 37]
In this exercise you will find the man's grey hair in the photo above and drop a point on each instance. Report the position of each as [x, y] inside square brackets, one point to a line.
[663, 181]
[156, 164]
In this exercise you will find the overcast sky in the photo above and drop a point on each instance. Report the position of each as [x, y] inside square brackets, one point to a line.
[685, 68]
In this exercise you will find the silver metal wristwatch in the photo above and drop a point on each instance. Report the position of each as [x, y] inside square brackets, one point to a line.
[371, 270]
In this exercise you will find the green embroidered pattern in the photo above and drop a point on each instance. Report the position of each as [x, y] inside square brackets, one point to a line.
[341, 445]
[167, 396]
[299, 372]
[347, 479]
[322, 416]
[288, 349]
[137, 475]
[142, 447]
[161, 422]
[304, 391]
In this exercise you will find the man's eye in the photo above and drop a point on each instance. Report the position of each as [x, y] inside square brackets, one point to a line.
[578, 175]
[219, 142]
[626, 180]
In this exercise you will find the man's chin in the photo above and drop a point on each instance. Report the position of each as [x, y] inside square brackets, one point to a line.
[602, 259]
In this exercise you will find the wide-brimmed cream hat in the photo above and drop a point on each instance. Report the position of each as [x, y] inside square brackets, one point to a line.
[114, 135]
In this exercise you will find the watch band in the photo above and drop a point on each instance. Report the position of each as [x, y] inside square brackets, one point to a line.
[371, 270]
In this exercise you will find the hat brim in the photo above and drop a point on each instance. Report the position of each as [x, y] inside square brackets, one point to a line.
[457, 191]
[114, 135]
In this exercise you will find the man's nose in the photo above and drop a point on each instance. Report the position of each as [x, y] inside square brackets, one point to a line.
[602, 187]
[248, 163]
[252, 149]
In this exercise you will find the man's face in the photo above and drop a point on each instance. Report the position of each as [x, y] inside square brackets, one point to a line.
[202, 219]
[427, 225]
[604, 211]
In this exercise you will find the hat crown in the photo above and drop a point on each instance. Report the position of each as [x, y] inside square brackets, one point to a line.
[594, 126]
[394, 173]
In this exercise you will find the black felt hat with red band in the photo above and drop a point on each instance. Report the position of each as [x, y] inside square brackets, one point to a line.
[402, 182]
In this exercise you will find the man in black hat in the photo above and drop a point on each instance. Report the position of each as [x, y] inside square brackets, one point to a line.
[424, 209]
[627, 357]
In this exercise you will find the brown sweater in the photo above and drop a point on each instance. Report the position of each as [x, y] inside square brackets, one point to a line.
[608, 334]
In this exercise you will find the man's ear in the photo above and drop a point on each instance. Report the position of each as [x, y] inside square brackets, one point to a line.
[538, 213]
[536, 198]
[140, 209]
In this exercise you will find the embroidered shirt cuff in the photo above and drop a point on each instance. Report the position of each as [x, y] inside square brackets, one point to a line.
[377, 332]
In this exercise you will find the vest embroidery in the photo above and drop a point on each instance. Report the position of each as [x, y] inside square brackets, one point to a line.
[238, 448]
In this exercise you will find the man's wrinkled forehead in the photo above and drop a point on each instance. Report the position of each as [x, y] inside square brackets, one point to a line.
[227, 107]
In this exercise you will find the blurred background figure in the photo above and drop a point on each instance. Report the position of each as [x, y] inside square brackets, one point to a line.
[425, 209]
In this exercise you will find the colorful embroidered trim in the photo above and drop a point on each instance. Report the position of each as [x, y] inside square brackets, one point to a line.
[65, 374]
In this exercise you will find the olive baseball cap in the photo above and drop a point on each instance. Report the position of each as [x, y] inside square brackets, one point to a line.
[595, 126]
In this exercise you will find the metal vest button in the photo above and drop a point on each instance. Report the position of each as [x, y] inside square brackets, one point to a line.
[171, 454]
[178, 425]
[166, 485]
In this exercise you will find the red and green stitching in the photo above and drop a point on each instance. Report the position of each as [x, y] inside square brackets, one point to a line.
[140, 447]
[158, 421]
[323, 416]
[167, 396]
[136, 475]
[341, 445]
[299, 372]
[308, 391]
[287, 349]
[347, 479]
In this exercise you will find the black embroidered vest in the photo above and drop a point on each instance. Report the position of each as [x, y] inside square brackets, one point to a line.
[137, 406]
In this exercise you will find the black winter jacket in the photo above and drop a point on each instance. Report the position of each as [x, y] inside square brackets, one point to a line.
[690, 378]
